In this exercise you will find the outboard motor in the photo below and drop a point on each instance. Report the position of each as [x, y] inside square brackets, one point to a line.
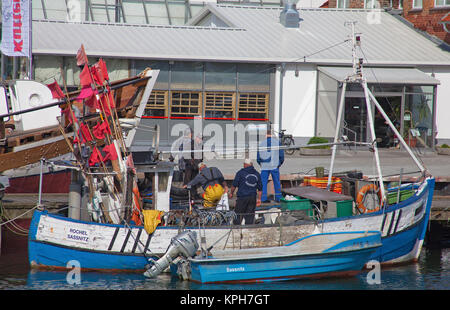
[184, 244]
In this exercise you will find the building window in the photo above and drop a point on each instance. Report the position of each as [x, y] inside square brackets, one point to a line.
[185, 104]
[187, 75]
[342, 4]
[254, 77]
[253, 107]
[418, 117]
[417, 4]
[220, 76]
[157, 105]
[442, 2]
[220, 105]
[373, 4]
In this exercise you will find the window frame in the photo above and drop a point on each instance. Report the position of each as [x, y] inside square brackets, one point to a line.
[240, 109]
[345, 3]
[218, 104]
[415, 6]
[154, 104]
[446, 3]
[187, 115]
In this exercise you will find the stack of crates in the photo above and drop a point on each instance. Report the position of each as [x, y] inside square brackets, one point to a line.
[335, 186]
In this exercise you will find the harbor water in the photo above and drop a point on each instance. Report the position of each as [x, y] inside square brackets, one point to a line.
[431, 272]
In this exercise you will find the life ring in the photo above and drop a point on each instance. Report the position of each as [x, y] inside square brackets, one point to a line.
[362, 193]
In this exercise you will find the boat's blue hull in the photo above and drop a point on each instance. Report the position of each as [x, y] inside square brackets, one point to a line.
[58, 257]
[398, 245]
[281, 268]
[404, 246]
[51, 255]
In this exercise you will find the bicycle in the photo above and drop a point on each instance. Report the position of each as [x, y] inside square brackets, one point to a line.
[286, 140]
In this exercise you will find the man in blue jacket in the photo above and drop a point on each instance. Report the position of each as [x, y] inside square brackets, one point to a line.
[248, 182]
[270, 157]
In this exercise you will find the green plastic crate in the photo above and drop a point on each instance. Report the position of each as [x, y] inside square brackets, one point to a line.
[344, 208]
[404, 194]
[297, 205]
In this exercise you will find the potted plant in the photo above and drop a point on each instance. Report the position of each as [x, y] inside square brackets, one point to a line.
[316, 150]
[443, 149]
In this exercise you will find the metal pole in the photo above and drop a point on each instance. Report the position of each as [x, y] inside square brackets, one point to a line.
[336, 134]
[400, 138]
[40, 183]
[372, 131]
[399, 185]
[30, 41]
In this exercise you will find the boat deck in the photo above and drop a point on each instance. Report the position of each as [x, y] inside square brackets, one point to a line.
[19, 203]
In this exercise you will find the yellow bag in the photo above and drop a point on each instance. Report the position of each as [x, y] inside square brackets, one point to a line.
[152, 218]
[212, 195]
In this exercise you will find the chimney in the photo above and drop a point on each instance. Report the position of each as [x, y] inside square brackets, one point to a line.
[290, 17]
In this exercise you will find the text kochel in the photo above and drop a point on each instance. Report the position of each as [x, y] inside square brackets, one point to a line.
[17, 26]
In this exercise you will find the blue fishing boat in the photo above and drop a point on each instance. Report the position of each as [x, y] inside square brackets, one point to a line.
[107, 240]
[89, 244]
[314, 256]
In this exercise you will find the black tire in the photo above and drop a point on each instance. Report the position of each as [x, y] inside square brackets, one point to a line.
[288, 141]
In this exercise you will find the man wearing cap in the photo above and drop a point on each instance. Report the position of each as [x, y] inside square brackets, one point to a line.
[212, 182]
[248, 182]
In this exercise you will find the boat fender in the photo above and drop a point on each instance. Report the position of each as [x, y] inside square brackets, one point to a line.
[136, 206]
[362, 194]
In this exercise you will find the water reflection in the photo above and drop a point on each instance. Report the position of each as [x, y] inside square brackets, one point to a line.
[430, 273]
[44, 280]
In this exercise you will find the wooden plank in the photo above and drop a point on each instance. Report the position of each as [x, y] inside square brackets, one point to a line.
[32, 155]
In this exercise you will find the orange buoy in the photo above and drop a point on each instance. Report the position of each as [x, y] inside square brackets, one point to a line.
[362, 194]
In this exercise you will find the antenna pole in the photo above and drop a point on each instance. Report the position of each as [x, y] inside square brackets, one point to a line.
[357, 77]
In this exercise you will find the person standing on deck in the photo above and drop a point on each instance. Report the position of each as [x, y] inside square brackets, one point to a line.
[189, 158]
[212, 182]
[248, 182]
[270, 157]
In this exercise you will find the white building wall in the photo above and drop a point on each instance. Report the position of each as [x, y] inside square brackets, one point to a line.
[442, 102]
[298, 100]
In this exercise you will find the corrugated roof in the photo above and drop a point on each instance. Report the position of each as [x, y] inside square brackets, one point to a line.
[255, 36]
[383, 75]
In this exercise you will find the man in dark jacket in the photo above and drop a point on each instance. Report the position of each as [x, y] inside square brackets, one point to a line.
[248, 182]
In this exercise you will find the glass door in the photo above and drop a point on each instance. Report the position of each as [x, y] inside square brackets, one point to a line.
[392, 107]
[355, 119]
